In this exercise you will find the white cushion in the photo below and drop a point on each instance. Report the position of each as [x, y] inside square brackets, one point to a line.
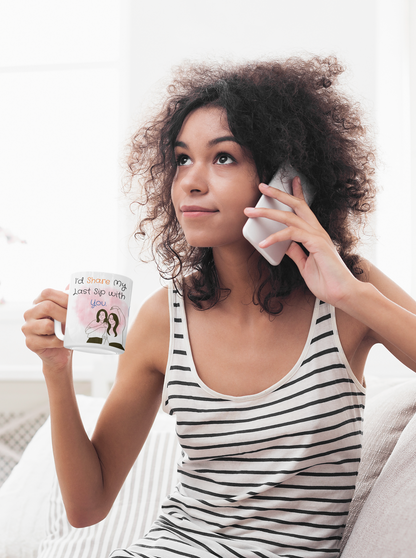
[24, 499]
[386, 416]
[385, 527]
[33, 522]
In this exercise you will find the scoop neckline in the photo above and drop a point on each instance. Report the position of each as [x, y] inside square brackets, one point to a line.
[252, 396]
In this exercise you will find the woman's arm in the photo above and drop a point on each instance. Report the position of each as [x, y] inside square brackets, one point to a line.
[387, 311]
[91, 472]
[94, 326]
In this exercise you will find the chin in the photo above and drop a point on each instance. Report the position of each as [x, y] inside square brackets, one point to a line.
[196, 244]
[198, 241]
[209, 241]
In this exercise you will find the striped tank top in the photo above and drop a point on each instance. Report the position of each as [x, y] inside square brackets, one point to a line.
[264, 475]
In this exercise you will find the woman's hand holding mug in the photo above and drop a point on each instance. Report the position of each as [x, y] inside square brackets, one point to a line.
[98, 310]
[91, 317]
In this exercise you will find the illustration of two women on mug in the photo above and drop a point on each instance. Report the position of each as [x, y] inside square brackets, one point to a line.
[107, 329]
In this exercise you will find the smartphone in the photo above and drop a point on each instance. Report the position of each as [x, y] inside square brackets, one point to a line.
[259, 228]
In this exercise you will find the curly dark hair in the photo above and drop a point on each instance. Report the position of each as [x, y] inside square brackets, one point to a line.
[280, 111]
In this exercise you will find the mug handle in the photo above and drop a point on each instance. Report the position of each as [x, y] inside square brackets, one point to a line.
[58, 330]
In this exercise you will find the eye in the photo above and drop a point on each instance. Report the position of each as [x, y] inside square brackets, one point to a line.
[225, 159]
[182, 160]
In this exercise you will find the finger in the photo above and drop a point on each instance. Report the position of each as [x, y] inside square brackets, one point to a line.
[59, 297]
[313, 241]
[37, 343]
[40, 335]
[302, 216]
[298, 230]
[296, 202]
[46, 309]
[268, 212]
[285, 217]
[43, 326]
[297, 188]
[279, 236]
[280, 195]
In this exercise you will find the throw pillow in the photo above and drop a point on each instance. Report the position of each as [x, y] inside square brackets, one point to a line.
[386, 416]
[151, 478]
[33, 521]
[386, 524]
[24, 499]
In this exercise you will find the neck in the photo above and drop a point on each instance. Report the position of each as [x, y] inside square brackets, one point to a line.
[238, 272]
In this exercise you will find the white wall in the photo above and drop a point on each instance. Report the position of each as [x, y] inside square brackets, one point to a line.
[395, 106]
[371, 37]
[130, 46]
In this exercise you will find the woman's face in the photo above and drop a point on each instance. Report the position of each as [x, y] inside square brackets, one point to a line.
[215, 180]
[101, 315]
[111, 320]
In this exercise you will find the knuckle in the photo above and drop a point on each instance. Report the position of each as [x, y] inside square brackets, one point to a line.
[30, 344]
[299, 203]
[29, 313]
[290, 230]
[47, 293]
[48, 307]
[49, 327]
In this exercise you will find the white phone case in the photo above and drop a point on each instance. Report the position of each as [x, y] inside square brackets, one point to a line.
[259, 228]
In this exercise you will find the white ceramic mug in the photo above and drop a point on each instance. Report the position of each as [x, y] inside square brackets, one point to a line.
[98, 311]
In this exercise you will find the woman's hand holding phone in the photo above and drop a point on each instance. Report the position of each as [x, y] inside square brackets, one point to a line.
[324, 272]
[258, 228]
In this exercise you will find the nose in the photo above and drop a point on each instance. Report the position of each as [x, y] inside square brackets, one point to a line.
[194, 179]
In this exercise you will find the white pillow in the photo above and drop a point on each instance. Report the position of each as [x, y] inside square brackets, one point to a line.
[152, 477]
[385, 527]
[24, 499]
[385, 418]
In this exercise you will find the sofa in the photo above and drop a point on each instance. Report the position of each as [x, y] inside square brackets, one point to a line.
[381, 523]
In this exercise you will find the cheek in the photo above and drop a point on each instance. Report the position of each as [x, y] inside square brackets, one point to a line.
[252, 195]
[174, 198]
[255, 195]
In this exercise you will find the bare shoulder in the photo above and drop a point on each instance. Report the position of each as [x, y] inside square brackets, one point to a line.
[155, 309]
[150, 332]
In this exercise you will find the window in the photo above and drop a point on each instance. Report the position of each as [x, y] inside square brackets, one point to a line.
[59, 139]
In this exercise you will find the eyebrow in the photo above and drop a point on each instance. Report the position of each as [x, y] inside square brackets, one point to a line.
[210, 143]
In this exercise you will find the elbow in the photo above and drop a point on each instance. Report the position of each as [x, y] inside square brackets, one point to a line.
[81, 519]
[87, 511]
[79, 522]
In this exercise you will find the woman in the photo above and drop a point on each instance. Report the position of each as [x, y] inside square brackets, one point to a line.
[116, 324]
[96, 329]
[262, 366]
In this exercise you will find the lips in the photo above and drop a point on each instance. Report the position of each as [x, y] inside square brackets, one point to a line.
[196, 210]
